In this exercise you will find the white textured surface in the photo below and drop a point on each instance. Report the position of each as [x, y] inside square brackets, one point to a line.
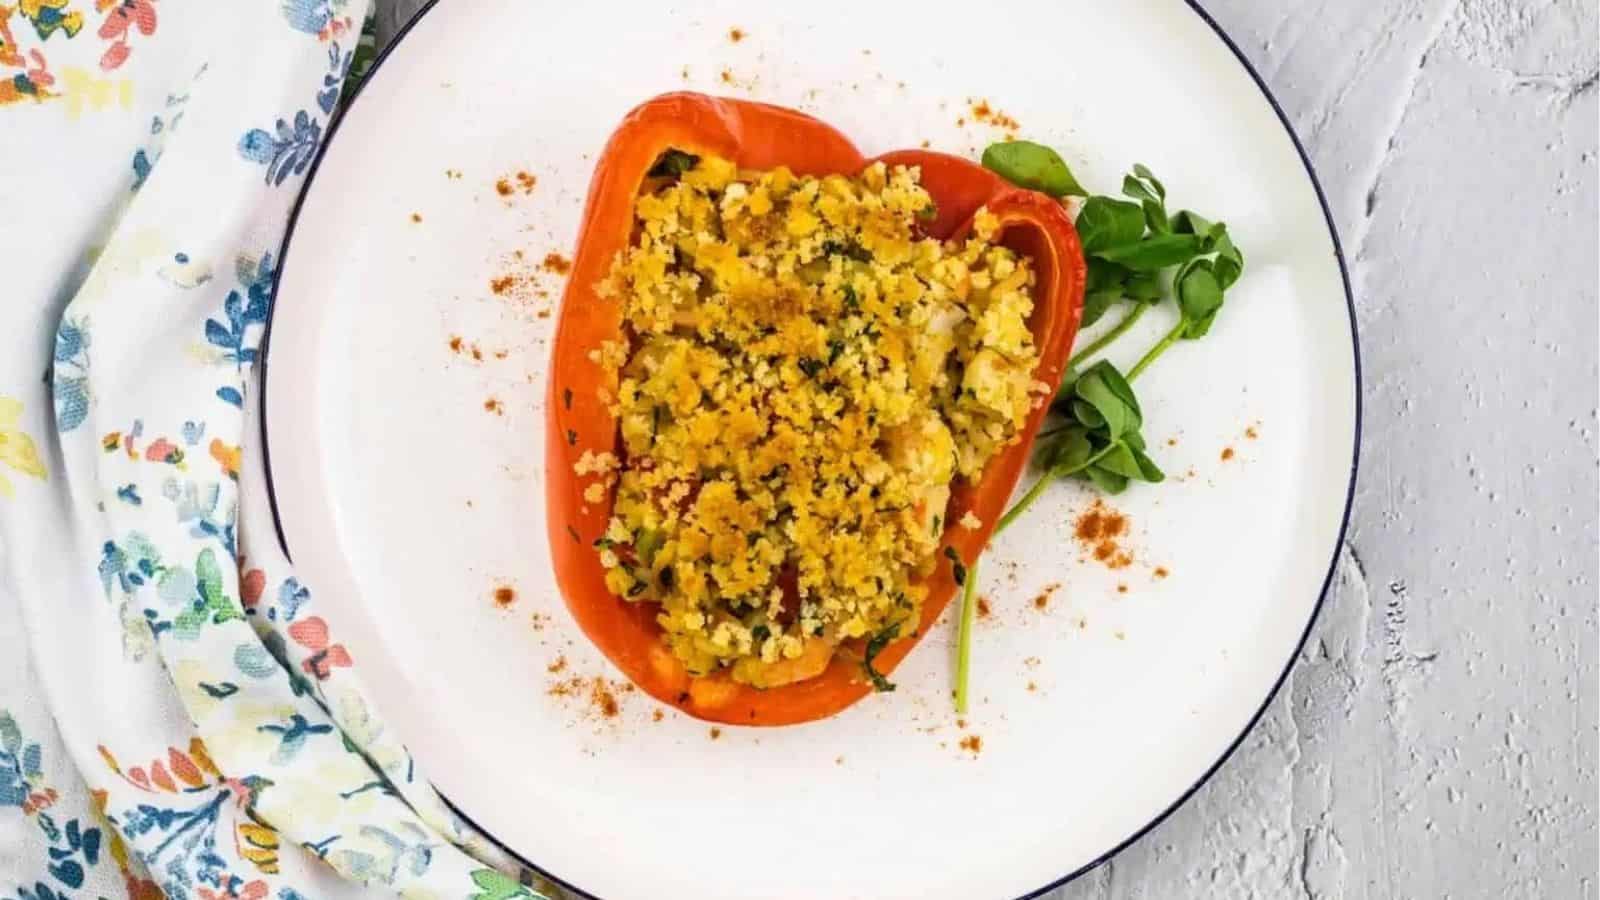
[1438, 736]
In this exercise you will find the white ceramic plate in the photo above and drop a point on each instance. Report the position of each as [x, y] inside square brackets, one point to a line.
[406, 503]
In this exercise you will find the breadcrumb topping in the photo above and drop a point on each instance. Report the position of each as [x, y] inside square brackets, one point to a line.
[805, 376]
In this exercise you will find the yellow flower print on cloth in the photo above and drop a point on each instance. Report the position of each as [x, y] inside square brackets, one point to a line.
[17, 450]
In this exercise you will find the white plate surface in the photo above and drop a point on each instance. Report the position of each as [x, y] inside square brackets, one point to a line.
[406, 503]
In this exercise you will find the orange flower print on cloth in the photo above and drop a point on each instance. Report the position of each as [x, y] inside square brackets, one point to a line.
[185, 799]
[124, 18]
[24, 72]
[312, 634]
[31, 30]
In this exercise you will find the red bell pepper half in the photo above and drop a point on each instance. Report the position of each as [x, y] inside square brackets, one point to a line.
[761, 136]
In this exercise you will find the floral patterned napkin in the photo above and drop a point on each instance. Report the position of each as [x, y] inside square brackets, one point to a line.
[175, 717]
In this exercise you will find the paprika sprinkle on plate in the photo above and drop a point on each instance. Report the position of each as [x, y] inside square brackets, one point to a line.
[1099, 531]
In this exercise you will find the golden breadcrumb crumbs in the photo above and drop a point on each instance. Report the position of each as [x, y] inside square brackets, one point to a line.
[805, 376]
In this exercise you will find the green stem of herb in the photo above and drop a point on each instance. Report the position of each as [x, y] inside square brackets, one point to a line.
[1026, 501]
[1044, 482]
[969, 604]
[1104, 340]
[969, 588]
[1161, 346]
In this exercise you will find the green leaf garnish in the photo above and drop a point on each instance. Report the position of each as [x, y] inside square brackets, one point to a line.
[1095, 305]
[1154, 253]
[1107, 222]
[1118, 416]
[1085, 412]
[1148, 470]
[1110, 482]
[1071, 451]
[1199, 298]
[1032, 166]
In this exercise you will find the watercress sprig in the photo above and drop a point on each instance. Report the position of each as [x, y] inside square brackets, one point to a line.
[1136, 254]
[1100, 442]
[1130, 245]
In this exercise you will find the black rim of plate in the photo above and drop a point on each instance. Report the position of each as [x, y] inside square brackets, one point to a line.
[1327, 580]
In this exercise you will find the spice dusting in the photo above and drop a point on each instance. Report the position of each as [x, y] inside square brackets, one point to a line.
[1227, 453]
[735, 35]
[1042, 601]
[556, 263]
[598, 695]
[503, 187]
[525, 283]
[1099, 530]
[983, 608]
[416, 217]
[494, 405]
[972, 744]
[1161, 572]
[461, 346]
[603, 699]
[983, 112]
[504, 596]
